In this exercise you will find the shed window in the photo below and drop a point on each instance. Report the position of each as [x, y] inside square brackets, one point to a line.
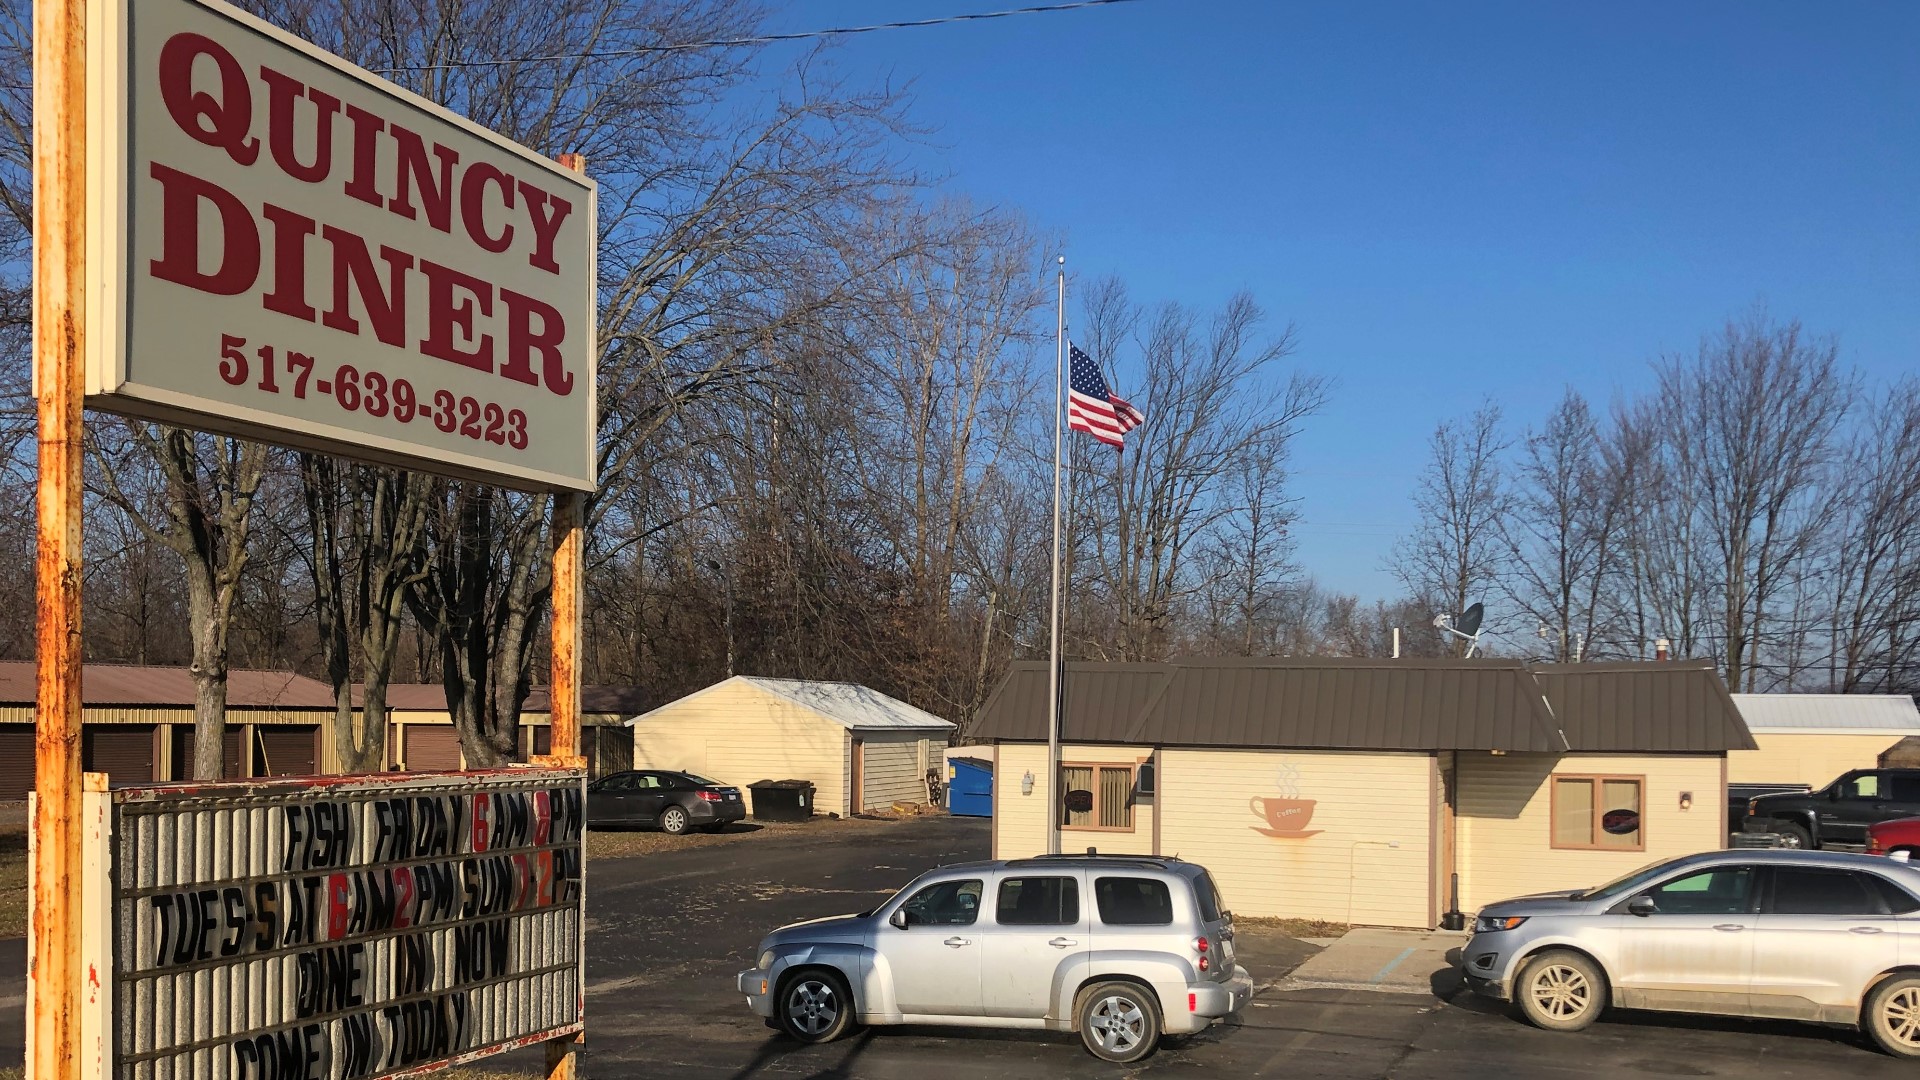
[1601, 813]
[1112, 789]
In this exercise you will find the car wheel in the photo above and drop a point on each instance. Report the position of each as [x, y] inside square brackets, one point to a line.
[1893, 1016]
[1793, 836]
[815, 1006]
[674, 820]
[1119, 1022]
[1561, 991]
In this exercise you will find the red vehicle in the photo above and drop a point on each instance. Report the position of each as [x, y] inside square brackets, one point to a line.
[1900, 834]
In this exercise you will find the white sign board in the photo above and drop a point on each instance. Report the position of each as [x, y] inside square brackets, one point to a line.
[344, 927]
[285, 247]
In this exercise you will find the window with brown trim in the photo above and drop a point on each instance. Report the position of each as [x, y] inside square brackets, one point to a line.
[1112, 788]
[1598, 813]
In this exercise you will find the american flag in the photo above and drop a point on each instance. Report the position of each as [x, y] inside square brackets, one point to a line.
[1094, 409]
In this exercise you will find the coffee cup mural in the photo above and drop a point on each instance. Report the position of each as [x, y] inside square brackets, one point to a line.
[1286, 814]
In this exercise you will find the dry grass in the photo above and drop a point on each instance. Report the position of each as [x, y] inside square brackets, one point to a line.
[1296, 928]
[13, 886]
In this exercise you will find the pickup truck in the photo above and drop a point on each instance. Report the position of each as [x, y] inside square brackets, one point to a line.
[1838, 815]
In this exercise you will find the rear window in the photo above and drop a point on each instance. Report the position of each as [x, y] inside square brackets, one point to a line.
[1899, 900]
[1212, 907]
[1825, 892]
[1127, 901]
[1038, 901]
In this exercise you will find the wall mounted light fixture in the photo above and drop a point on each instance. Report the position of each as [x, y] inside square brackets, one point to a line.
[1026, 783]
[1686, 800]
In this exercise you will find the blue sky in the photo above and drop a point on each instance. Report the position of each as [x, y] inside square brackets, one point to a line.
[1450, 201]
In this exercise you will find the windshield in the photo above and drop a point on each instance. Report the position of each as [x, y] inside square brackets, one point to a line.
[1626, 883]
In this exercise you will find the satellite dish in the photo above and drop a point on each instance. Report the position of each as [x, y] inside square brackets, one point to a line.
[1471, 618]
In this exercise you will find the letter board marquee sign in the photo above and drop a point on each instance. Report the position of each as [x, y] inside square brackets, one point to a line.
[343, 927]
[285, 247]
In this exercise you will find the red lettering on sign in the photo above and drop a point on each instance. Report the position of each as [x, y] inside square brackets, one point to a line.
[179, 261]
[282, 92]
[447, 313]
[523, 341]
[473, 205]
[222, 121]
[482, 821]
[290, 232]
[339, 906]
[353, 272]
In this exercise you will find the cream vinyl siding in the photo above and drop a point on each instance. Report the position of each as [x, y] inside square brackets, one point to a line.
[738, 734]
[1343, 871]
[892, 768]
[1811, 759]
[1504, 820]
[1020, 821]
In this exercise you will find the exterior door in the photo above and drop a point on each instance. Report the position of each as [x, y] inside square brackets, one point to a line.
[1040, 923]
[612, 801]
[1823, 934]
[1694, 951]
[649, 797]
[432, 748]
[857, 797]
[934, 964]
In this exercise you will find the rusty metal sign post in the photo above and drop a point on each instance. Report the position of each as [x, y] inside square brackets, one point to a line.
[485, 371]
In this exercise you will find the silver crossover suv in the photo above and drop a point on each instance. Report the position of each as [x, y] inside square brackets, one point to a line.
[1797, 935]
[1120, 949]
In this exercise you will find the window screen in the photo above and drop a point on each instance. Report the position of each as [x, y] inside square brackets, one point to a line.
[1824, 892]
[1038, 901]
[1133, 901]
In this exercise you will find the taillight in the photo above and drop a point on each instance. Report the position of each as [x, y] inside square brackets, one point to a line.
[1202, 946]
[710, 796]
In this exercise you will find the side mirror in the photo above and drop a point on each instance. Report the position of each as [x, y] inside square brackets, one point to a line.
[1642, 906]
[900, 919]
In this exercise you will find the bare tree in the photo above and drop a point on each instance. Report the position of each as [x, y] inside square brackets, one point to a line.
[1210, 408]
[209, 484]
[1452, 558]
[1751, 419]
[1875, 514]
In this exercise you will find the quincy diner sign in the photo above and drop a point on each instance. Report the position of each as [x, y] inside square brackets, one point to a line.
[286, 247]
[342, 927]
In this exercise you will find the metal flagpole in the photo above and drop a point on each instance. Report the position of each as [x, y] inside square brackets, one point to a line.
[1054, 796]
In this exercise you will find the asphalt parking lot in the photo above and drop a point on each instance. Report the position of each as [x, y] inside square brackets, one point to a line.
[668, 933]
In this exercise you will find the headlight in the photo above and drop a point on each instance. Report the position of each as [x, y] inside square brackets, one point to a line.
[1492, 924]
[766, 960]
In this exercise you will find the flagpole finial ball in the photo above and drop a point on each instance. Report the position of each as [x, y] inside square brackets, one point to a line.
[1063, 260]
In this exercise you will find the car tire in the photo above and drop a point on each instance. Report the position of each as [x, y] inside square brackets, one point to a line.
[1794, 835]
[815, 1006]
[1561, 991]
[674, 820]
[1118, 1021]
[1892, 1016]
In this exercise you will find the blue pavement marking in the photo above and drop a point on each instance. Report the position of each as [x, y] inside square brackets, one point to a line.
[1391, 964]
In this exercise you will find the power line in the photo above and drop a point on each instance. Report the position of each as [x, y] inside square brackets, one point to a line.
[758, 39]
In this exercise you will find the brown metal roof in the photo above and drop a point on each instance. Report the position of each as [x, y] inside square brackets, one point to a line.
[1365, 704]
[432, 697]
[131, 684]
[1671, 706]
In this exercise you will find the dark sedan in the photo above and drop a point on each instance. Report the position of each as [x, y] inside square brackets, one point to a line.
[673, 801]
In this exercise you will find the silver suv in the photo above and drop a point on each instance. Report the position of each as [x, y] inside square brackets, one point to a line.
[1796, 935]
[1121, 949]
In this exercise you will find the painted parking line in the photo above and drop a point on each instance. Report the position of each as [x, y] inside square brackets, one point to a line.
[1381, 975]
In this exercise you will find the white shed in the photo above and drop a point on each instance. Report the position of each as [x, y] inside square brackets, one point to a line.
[861, 749]
[1813, 738]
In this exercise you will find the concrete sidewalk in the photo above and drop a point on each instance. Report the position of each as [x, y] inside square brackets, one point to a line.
[1389, 961]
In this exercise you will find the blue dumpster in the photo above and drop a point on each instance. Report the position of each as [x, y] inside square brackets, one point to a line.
[969, 787]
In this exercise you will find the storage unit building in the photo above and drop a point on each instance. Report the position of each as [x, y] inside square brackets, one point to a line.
[137, 724]
[1812, 738]
[421, 736]
[861, 749]
[1354, 791]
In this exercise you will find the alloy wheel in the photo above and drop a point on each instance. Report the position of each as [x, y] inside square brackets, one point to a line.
[1117, 1023]
[1900, 1013]
[1561, 992]
[812, 1006]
